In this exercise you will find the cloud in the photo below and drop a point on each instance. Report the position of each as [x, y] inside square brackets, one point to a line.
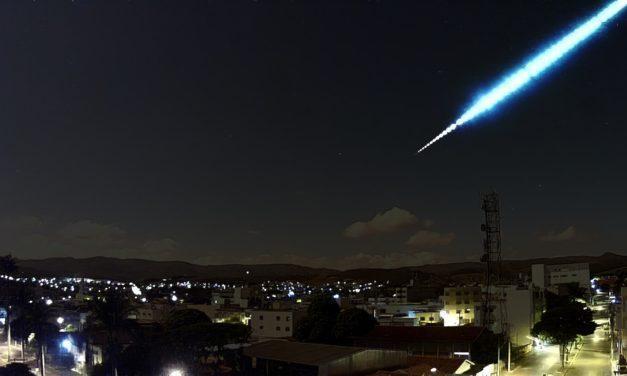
[34, 237]
[566, 234]
[426, 238]
[385, 222]
[91, 233]
[22, 223]
[161, 249]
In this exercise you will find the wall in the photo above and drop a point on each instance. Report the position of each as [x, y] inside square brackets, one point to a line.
[365, 361]
[460, 304]
[264, 323]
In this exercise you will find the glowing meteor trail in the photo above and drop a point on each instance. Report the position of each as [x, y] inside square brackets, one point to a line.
[533, 68]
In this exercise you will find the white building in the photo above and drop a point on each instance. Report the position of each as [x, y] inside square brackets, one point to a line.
[517, 312]
[546, 276]
[274, 323]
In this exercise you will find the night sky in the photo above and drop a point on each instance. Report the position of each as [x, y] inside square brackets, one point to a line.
[275, 131]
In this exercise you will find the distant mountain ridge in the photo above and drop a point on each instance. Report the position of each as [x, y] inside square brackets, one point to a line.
[139, 269]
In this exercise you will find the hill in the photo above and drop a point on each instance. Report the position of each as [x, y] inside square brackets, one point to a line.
[128, 269]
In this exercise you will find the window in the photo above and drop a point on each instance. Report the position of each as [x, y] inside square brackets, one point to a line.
[278, 318]
[422, 318]
[430, 318]
[260, 327]
[467, 310]
[260, 317]
[278, 328]
[459, 311]
[287, 328]
[287, 318]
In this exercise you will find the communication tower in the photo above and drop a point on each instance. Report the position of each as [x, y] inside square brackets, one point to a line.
[491, 256]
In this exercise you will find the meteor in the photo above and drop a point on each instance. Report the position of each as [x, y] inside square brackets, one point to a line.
[533, 68]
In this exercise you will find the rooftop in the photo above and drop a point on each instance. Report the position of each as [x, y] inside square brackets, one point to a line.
[313, 354]
[425, 333]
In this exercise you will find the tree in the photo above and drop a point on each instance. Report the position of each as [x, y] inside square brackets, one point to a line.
[319, 324]
[562, 323]
[184, 317]
[8, 264]
[110, 313]
[353, 322]
[485, 349]
[37, 318]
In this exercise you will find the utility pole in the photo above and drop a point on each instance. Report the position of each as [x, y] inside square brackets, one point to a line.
[509, 356]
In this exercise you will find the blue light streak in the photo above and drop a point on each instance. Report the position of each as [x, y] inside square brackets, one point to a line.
[533, 68]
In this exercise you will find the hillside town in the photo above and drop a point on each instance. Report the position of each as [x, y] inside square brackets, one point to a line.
[83, 326]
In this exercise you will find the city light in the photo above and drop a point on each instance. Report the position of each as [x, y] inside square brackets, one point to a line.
[60, 320]
[136, 290]
[66, 344]
[176, 372]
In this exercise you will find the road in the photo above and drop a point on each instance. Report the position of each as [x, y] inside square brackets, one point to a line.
[594, 356]
[592, 359]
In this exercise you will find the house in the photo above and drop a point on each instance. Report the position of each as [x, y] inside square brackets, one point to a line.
[277, 357]
[435, 341]
[462, 305]
[274, 323]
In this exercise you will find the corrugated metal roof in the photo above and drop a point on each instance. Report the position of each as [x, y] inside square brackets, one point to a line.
[463, 334]
[312, 354]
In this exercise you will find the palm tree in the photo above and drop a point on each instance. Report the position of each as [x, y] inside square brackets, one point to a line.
[110, 314]
[37, 318]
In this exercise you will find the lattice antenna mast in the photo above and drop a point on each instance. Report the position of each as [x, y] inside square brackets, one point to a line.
[492, 252]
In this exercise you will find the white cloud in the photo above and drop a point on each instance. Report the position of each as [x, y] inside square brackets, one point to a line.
[552, 236]
[426, 238]
[388, 221]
